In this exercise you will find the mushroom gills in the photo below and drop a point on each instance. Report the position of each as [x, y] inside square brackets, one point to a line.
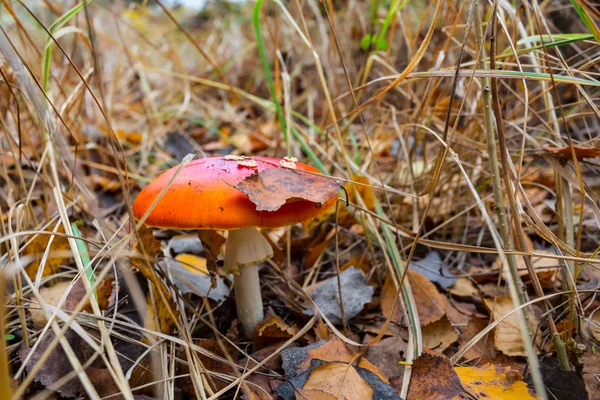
[245, 247]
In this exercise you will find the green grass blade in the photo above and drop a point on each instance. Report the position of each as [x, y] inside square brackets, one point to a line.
[85, 256]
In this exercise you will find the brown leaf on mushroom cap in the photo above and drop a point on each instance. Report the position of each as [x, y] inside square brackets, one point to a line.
[272, 188]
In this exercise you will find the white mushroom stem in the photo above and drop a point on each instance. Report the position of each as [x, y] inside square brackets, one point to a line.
[245, 249]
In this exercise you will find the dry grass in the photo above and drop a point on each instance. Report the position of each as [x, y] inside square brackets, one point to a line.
[133, 88]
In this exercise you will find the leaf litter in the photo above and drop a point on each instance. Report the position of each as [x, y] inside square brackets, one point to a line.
[166, 298]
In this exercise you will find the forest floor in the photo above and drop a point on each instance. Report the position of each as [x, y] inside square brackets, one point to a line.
[460, 261]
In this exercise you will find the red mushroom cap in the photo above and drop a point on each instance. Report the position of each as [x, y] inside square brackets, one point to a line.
[203, 196]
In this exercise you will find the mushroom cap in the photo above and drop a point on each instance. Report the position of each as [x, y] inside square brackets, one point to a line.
[203, 196]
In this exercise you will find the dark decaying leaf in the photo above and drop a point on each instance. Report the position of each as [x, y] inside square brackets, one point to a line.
[272, 188]
[564, 385]
[57, 365]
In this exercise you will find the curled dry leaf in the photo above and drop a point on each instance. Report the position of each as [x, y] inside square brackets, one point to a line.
[272, 330]
[507, 336]
[494, 382]
[271, 188]
[212, 242]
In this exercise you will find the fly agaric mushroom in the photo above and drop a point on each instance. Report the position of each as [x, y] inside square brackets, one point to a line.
[203, 196]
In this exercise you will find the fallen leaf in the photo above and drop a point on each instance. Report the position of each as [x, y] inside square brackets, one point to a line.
[386, 354]
[190, 275]
[272, 330]
[493, 382]
[591, 372]
[507, 336]
[433, 378]
[483, 348]
[57, 365]
[434, 269]
[53, 294]
[165, 309]
[439, 335]
[58, 244]
[339, 380]
[431, 305]
[212, 242]
[355, 294]
[335, 380]
[546, 268]
[271, 188]
[559, 384]
[464, 287]
[336, 350]
[388, 297]
[189, 244]
[581, 152]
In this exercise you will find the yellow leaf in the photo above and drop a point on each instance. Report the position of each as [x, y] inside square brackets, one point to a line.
[339, 380]
[493, 382]
[193, 263]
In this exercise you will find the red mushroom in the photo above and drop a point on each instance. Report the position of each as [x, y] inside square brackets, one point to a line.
[203, 196]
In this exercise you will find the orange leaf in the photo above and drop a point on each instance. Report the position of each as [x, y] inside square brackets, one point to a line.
[339, 380]
[336, 350]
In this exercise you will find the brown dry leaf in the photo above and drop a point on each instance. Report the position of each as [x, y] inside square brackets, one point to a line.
[439, 335]
[388, 296]
[507, 337]
[99, 182]
[313, 394]
[339, 380]
[166, 309]
[212, 242]
[433, 378]
[38, 246]
[546, 268]
[274, 187]
[386, 354]
[494, 382]
[57, 365]
[272, 330]
[591, 372]
[321, 330]
[581, 152]
[431, 305]
[483, 348]
[464, 287]
[53, 294]
[336, 350]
